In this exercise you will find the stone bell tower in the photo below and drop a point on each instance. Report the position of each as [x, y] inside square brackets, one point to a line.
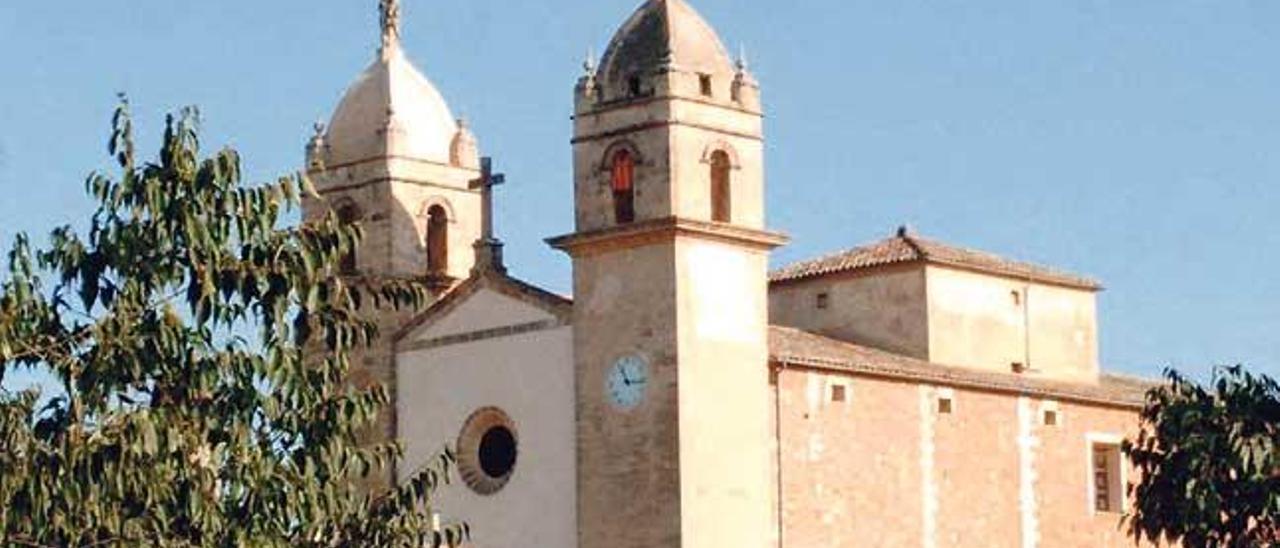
[394, 159]
[670, 324]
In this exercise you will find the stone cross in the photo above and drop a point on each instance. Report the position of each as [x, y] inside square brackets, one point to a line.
[389, 10]
[488, 247]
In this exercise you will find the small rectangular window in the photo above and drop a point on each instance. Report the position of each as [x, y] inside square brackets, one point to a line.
[1050, 417]
[705, 81]
[945, 403]
[823, 301]
[1106, 485]
[839, 393]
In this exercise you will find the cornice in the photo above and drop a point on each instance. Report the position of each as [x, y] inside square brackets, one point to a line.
[626, 103]
[632, 128]
[384, 159]
[664, 229]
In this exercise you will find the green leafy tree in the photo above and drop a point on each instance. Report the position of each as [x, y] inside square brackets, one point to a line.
[1208, 460]
[202, 350]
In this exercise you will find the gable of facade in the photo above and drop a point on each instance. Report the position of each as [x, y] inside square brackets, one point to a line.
[484, 303]
[488, 371]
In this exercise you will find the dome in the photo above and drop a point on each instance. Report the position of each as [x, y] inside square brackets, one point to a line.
[391, 95]
[664, 34]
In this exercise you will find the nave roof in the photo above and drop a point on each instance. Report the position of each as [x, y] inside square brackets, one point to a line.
[906, 247]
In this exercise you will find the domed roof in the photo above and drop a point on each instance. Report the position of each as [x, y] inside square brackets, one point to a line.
[664, 34]
[391, 95]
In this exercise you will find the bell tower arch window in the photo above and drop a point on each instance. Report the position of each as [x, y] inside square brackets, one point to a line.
[348, 214]
[721, 187]
[622, 182]
[437, 240]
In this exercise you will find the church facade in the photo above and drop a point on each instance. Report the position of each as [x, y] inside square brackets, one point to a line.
[906, 392]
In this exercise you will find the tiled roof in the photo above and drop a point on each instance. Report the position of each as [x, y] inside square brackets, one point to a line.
[793, 347]
[906, 248]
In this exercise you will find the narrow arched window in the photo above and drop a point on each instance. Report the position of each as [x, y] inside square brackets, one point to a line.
[721, 187]
[624, 189]
[348, 215]
[437, 240]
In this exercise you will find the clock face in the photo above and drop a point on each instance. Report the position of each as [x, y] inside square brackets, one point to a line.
[626, 382]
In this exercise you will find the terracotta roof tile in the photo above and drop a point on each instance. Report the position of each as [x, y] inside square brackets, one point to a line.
[800, 348]
[905, 248]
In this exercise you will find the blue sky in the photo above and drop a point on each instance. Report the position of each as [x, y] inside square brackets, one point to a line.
[1136, 141]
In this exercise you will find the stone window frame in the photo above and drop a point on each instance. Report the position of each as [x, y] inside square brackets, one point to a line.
[436, 200]
[709, 154]
[423, 224]
[1111, 442]
[606, 182]
[605, 165]
[468, 447]
[721, 145]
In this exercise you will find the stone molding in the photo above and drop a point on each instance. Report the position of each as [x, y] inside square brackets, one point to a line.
[660, 230]
[630, 102]
[482, 335]
[376, 180]
[636, 128]
[383, 159]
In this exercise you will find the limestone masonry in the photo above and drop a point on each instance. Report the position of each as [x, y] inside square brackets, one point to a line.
[906, 392]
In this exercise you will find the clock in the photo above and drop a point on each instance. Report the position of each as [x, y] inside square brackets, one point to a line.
[627, 381]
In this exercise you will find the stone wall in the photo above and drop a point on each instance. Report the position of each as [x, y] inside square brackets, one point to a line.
[885, 308]
[990, 322]
[887, 468]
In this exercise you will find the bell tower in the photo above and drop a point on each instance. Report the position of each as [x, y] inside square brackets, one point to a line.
[670, 261]
[394, 159]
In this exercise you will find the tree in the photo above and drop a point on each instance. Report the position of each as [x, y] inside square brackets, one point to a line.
[202, 352]
[1208, 460]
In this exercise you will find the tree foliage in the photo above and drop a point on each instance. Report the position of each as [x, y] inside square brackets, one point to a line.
[1208, 460]
[202, 350]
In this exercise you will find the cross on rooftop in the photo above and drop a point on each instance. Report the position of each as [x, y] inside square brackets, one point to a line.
[488, 247]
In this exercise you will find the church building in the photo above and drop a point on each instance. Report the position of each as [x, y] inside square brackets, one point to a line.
[903, 393]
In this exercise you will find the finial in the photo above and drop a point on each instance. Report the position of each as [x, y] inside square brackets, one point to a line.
[316, 147]
[906, 231]
[589, 63]
[742, 64]
[389, 11]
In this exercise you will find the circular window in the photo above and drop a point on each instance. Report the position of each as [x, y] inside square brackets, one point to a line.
[487, 450]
